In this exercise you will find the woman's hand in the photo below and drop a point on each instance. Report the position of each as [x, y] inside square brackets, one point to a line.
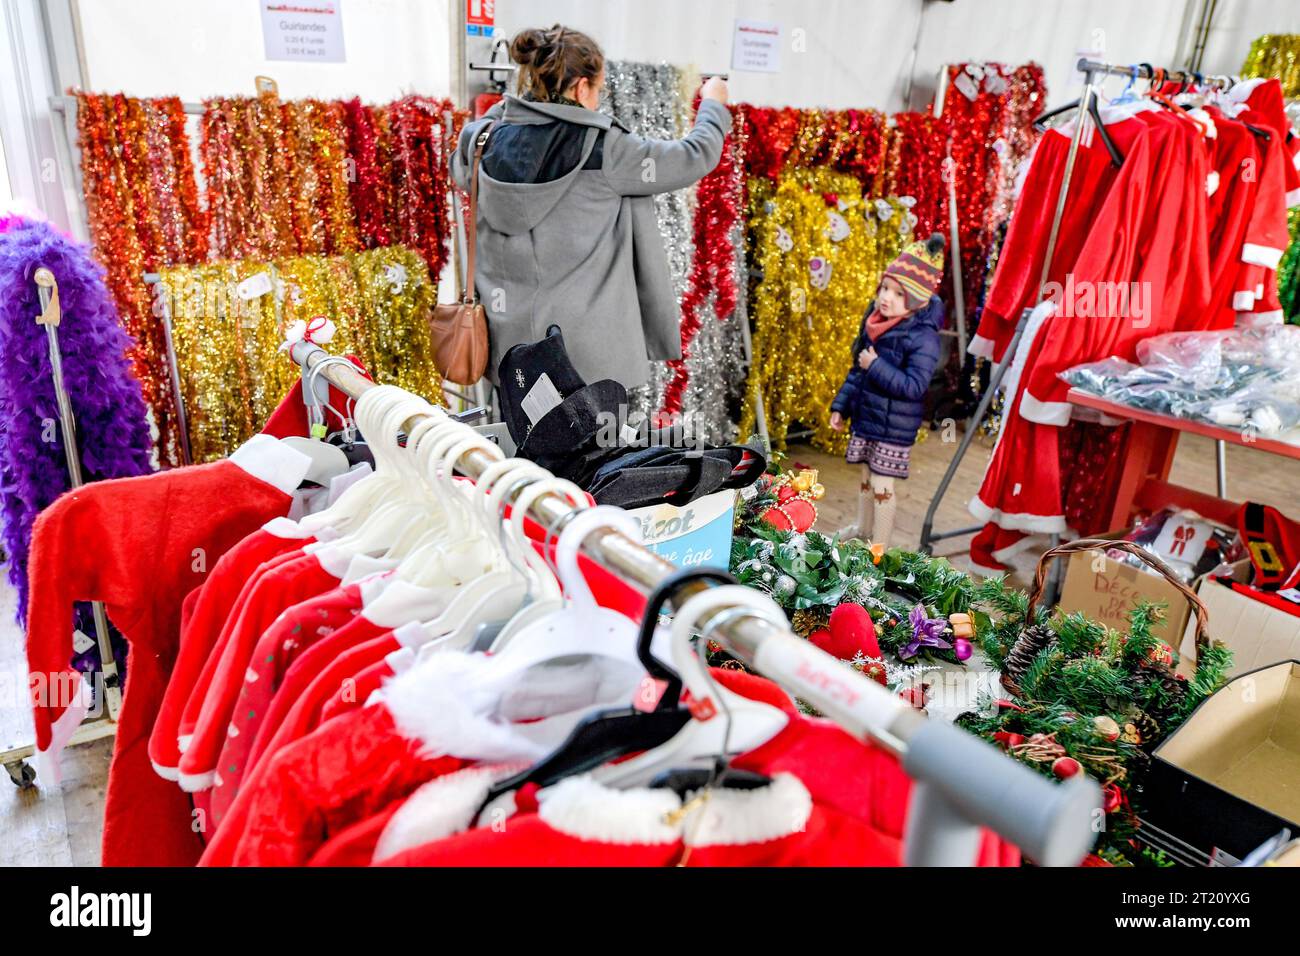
[715, 88]
[837, 422]
[865, 358]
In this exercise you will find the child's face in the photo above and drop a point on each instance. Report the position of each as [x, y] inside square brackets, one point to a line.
[889, 301]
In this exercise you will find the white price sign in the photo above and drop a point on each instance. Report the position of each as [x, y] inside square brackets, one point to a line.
[308, 31]
[757, 46]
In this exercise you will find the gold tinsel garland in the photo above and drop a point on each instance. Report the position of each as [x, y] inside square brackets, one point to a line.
[803, 333]
[233, 372]
[1276, 54]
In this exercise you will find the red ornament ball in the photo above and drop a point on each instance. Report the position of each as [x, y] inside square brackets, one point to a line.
[1066, 767]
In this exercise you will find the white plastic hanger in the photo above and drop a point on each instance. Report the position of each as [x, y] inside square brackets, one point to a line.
[458, 626]
[405, 501]
[372, 410]
[459, 549]
[545, 596]
[725, 723]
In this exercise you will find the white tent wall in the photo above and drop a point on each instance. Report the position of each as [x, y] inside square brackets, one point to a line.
[1238, 22]
[200, 48]
[860, 52]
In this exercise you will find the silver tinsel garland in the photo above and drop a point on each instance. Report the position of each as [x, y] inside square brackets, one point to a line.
[652, 100]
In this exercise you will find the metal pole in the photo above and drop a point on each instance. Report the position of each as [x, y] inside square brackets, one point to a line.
[760, 409]
[174, 372]
[1221, 467]
[1051, 823]
[958, 288]
[927, 528]
[47, 288]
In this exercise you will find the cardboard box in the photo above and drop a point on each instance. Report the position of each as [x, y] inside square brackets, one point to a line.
[1106, 590]
[1257, 633]
[697, 535]
[1229, 778]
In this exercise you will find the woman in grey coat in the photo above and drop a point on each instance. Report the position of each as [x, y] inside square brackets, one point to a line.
[567, 233]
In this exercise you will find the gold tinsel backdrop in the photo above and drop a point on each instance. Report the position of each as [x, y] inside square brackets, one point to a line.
[1276, 54]
[815, 282]
[233, 371]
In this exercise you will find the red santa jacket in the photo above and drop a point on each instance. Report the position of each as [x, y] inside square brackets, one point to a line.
[140, 545]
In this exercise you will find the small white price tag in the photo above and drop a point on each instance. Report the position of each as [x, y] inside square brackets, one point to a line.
[81, 641]
[541, 398]
[255, 286]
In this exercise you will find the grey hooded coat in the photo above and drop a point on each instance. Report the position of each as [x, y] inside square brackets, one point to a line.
[582, 251]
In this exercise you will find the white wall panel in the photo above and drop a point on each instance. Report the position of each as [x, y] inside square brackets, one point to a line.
[199, 48]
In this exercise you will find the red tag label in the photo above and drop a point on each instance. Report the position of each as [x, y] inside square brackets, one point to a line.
[702, 710]
[648, 693]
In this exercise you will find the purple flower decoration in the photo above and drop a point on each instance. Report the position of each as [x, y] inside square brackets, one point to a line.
[926, 632]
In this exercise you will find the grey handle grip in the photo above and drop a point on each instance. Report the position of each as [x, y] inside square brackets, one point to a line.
[967, 780]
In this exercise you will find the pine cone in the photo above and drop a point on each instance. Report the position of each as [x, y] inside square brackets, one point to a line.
[1174, 689]
[1148, 729]
[807, 620]
[1027, 646]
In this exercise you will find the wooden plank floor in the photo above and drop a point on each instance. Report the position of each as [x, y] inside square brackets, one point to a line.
[62, 826]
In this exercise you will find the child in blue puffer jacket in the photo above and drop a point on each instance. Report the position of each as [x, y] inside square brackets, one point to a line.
[883, 397]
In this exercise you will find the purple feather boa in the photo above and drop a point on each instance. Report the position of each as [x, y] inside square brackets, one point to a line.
[112, 431]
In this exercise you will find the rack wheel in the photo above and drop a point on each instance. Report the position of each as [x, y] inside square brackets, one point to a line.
[22, 774]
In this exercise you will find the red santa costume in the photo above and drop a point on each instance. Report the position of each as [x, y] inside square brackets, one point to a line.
[847, 791]
[329, 666]
[141, 569]
[274, 591]
[211, 606]
[1143, 270]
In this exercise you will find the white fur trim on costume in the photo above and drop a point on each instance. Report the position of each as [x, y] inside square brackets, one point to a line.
[61, 731]
[363, 566]
[439, 809]
[1012, 521]
[167, 773]
[183, 742]
[273, 462]
[1293, 199]
[1258, 255]
[981, 346]
[1011, 550]
[196, 782]
[1243, 301]
[581, 807]
[284, 528]
[464, 705]
[1045, 413]
[986, 571]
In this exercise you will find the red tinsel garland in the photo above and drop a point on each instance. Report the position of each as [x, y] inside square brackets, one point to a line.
[142, 212]
[369, 185]
[713, 266]
[914, 167]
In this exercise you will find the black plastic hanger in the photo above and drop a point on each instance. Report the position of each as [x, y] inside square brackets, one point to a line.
[617, 732]
[1116, 157]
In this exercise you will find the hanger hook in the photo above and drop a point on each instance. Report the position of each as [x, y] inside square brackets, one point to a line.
[662, 595]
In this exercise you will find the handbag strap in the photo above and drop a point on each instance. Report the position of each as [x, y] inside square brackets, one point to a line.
[471, 238]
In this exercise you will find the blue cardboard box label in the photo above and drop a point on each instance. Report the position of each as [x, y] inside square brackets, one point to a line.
[697, 535]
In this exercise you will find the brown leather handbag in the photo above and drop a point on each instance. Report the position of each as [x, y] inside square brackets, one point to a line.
[459, 329]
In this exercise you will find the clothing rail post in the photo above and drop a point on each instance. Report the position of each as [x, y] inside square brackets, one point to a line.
[51, 315]
[965, 782]
[928, 535]
[109, 695]
[173, 373]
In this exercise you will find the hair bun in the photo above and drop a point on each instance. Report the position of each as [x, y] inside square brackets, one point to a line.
[935, 244]
[524, 46]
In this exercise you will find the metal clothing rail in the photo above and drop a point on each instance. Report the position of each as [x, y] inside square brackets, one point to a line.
[1091, 70]
[109, 698]
[961, 782]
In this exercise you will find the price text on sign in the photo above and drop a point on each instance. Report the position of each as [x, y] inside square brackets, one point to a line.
[304, 31]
